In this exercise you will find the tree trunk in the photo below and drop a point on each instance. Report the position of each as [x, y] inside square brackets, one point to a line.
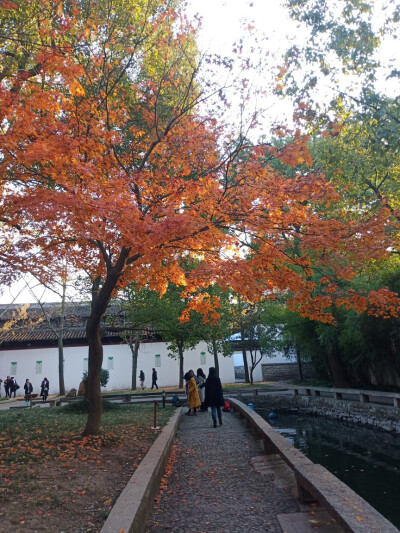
[135, 352]
[180, 351]
[299, 363]
[61, 365]
[215, 352]
[60, 342]
[338, 371]
[100, 300]
[253, 358]
[93, 383]
[246, 366]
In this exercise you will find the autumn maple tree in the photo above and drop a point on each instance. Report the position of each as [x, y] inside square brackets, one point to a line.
[109, 162]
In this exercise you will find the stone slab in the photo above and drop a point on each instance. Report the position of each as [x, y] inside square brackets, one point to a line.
[309, 522]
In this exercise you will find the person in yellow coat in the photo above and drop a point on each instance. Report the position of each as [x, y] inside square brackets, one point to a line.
[192, 393]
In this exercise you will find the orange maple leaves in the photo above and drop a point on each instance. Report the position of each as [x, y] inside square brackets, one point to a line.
[108, 163]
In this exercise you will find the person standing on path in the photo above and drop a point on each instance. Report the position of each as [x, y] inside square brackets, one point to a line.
[200, 386]
[193, 395]
[13, 387]
[214, 397]
[141, 379]
[7, 383]
[28, 387]
[154, 378]
[44, 390]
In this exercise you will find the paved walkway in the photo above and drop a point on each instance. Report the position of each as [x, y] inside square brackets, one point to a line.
[6, 404]
[219, 482]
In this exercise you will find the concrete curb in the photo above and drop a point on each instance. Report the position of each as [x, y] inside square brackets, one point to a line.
[130, 512]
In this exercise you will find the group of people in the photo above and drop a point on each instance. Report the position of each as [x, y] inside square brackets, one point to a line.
[204, 392]
[154, 378]
[44, 390]
[11, 386]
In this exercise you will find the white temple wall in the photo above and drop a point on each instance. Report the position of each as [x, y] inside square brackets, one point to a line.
[37, 363]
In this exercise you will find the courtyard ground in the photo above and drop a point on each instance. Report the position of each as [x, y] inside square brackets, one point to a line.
[53, 480]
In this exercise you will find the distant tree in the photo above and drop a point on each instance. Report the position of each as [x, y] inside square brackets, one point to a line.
[111, 159]
[140, 307]
[180, 335]
[216, 327]
[104, 377]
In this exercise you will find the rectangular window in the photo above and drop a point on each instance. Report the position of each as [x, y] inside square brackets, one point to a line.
[110, 363]
[38, 367]
[86, 364]
[157, 360]
[13, 368]
[203, 358]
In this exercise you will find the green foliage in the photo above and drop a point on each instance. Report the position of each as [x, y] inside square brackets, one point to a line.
[215, 332]
[104, 377]
[161, 314]
[367, 346]
[343, 37]
[80, 407]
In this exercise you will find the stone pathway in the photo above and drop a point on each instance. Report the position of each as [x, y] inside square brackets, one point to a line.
[213, 483]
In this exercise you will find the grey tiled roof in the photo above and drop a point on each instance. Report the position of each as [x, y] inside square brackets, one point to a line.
[20, 325]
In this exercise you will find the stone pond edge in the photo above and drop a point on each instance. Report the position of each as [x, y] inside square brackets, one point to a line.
[132, 508]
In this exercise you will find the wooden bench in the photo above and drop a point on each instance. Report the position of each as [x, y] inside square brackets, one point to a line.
[29, 398]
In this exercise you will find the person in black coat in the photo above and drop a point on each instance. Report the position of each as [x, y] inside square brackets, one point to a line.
[13, 387]
[214, 397]
[28, 387]
[141, 379]
[154, 378]
[7, 384]
[44, 389]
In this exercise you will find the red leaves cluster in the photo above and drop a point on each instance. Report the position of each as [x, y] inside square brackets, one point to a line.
[120, 175]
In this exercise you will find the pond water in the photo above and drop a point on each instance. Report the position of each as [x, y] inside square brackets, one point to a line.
[366, 460]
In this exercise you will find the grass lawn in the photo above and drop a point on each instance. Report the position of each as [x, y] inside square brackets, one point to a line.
[54, 480]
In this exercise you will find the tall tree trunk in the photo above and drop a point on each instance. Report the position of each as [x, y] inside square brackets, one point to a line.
[135, 353]
[252, 367]
[338, 371]
[246, 366]
[61, 365]
[100, 300]
[60, 342]
[215, 352]
[180, 351]
[93, 383]
[299, 363]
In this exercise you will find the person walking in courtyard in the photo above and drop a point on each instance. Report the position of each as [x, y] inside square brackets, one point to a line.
[192, 393]
[44, 390]
[200, 386]
[141, 379]
[154, 378]
[28, 387]
[214, 397]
